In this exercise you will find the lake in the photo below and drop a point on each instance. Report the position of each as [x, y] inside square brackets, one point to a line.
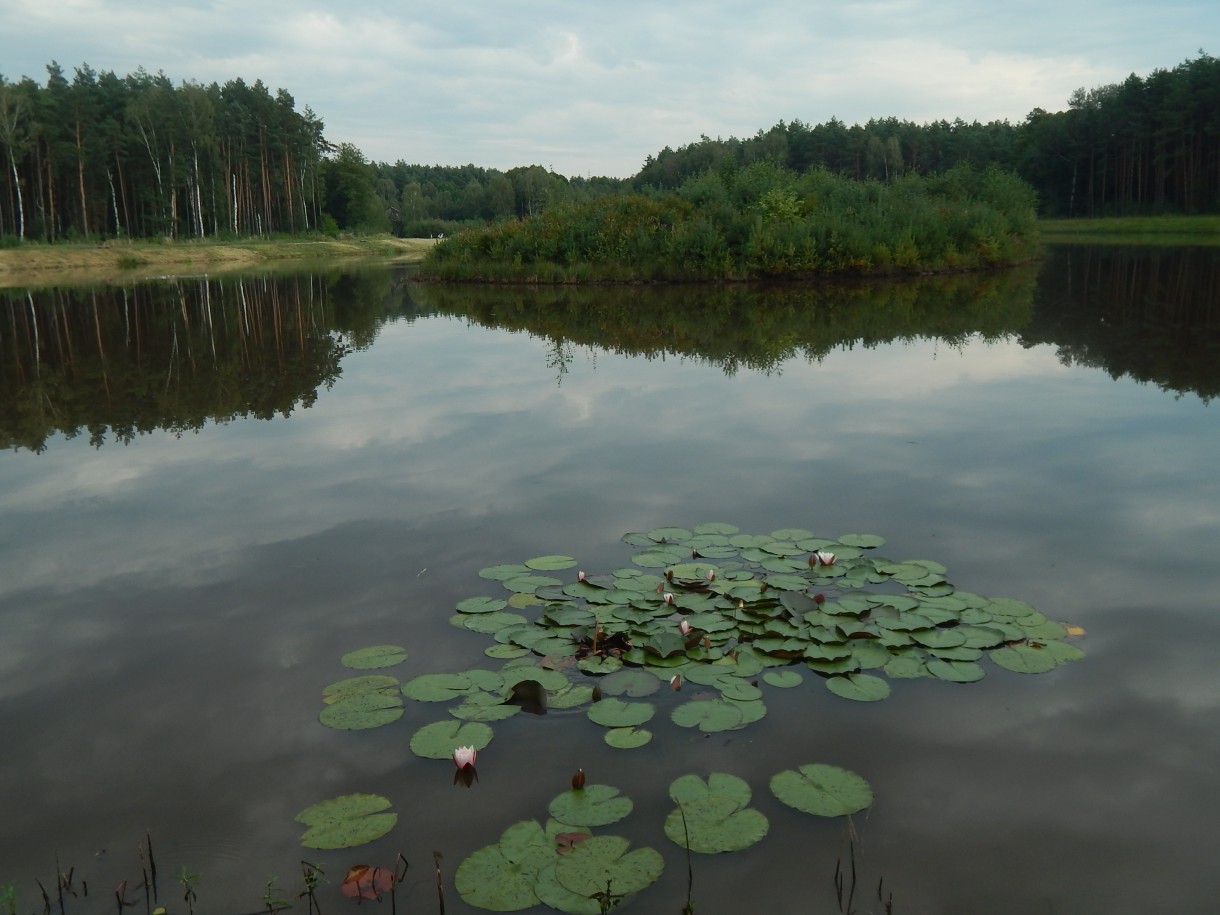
[216, 488]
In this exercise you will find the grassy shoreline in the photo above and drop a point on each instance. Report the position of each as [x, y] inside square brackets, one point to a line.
[1143, 230]
[38, 264]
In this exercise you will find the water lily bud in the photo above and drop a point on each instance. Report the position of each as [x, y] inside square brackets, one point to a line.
[675, 682]
[578, 780]
[825, 558]
[684, 627]
[669, 598]
[464, 756]
[580, 576]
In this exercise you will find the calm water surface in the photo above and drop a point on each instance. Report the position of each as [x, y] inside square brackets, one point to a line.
[207, 502]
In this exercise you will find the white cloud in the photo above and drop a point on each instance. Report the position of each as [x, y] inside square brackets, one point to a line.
[596, 89]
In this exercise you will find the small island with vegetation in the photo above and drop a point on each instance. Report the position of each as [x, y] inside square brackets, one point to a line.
[762, 222]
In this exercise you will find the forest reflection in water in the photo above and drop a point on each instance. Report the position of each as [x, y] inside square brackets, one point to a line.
[346, 451]
[115, 362]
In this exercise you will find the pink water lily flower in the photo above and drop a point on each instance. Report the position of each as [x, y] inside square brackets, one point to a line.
[825, 558]
[669, 598]
[684, 627]
[464, 756]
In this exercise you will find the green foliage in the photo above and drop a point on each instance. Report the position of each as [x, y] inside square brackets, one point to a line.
[762, 221]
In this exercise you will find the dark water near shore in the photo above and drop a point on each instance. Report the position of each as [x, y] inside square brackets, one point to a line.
[213, 489]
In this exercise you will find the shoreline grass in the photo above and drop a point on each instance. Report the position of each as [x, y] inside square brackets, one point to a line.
[122, 261]
[1144, 230]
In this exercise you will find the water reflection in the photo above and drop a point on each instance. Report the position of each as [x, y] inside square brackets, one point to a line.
[171, 609]
[115, 363]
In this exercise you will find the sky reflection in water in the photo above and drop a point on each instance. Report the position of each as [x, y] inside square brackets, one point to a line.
[172, 608]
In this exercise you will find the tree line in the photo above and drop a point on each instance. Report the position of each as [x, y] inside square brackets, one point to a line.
[103, 156]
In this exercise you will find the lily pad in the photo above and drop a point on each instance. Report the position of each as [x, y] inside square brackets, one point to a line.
[361, 711]
[783, 679]
[438, 687]
[822, 790]
[714, 815]
[604, 862]
[615, 713]
[481, 605]
[346, 821]
[859, 687]
[592, 805]
[440, 739]
[550, 563]
[1025, 659]
[628, 738]
[373, 657]
[501, 877]
[709, 715]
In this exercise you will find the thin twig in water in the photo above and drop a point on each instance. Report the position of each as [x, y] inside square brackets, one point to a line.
[440, 886]
[689, 908]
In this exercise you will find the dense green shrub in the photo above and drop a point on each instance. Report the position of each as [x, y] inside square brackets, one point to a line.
[758, 222]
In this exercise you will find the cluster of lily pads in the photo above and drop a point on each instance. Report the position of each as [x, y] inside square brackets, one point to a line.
[564, 865]
[713, 612]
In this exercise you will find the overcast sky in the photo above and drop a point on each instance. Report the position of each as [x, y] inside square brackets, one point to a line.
[592, 88]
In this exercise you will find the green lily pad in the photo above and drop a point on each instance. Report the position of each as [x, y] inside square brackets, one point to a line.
[955, 671]
[632, 682]
[709, 715]
[822, 790]
[783, 679]
[615, 713]
[554, 895]
[346, 821]
[592, 805]
[628, 738]
[370, 683]
[361, 711]
[374, 656]
[1025, 659]
[859, 687]
[599, 664]
[501, 877]
[438, 687]
[550, 563]
[504, 572]
[440, 739]
[713, 815]
[481, 605]
[604, 861]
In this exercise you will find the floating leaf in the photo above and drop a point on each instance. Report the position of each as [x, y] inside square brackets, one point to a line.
[823, 790]
[592, 805]
[955, 671]
[628, 738]
[633, 682]
[860, 687]
[346, 821]
[440, 739]
[1025, 659]
[713, 814]
[708, 716]
[784, 679]
[438, 687]
[361, 711]
[604, 862]
[615, 713]
[481, 605]
[370, 683]
[374, 657]
[550, 563]
[501, 877]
